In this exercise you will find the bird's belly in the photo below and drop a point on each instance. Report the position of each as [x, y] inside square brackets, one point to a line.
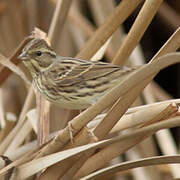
[68, 101]
[72, 98]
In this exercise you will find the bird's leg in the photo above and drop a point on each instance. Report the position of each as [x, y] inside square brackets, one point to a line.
[70, 128]
[93, 137]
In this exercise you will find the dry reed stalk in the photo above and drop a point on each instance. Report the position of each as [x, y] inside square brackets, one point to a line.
[149, 173]
[101, 10]
[17, 23]
[171, 45]
[34, 166]
[2, 113]
[43, 108]
[168, 46]
[22, 150]
[160, 94]
[104, 127]
[19, 137]
[7, 27]
[56, 170]
[4, 145]
[143, 107]
[77, 19]
[143, 131]
[32, 11]
[122, 124]
[33, 119]
[150, 161]
[59, 17]
[164, 114]
[6, 63]
[140, 25]
[42, 105]
[161, 136]
[4, 71]
[10, 123]
[145, 117]
[169, 16]
[108, 153]
[166, 136]
[122, 11]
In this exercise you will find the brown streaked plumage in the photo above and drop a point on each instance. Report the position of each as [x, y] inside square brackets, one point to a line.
[69, 82]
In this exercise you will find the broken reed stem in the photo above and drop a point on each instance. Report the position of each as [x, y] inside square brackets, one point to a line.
[140, 25]
[98, 160]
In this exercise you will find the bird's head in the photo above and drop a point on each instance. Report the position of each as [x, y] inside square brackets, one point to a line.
[37, 55]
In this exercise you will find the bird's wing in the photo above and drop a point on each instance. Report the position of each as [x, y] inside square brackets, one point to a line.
[76, 71]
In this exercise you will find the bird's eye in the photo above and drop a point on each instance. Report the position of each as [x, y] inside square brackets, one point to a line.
[38, 53]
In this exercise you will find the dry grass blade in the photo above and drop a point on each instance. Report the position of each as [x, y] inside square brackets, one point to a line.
[143, 107]
[101, 158]
[134, 164]
[36, 165]
[145, 116]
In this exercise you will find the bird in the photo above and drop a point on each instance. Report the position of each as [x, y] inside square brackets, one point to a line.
[68, 82]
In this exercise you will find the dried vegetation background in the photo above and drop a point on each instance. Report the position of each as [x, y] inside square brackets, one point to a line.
[127, 128]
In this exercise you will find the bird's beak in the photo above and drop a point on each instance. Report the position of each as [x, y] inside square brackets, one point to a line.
[22, 56]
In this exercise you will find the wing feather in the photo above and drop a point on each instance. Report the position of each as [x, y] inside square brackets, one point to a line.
[81, 71]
